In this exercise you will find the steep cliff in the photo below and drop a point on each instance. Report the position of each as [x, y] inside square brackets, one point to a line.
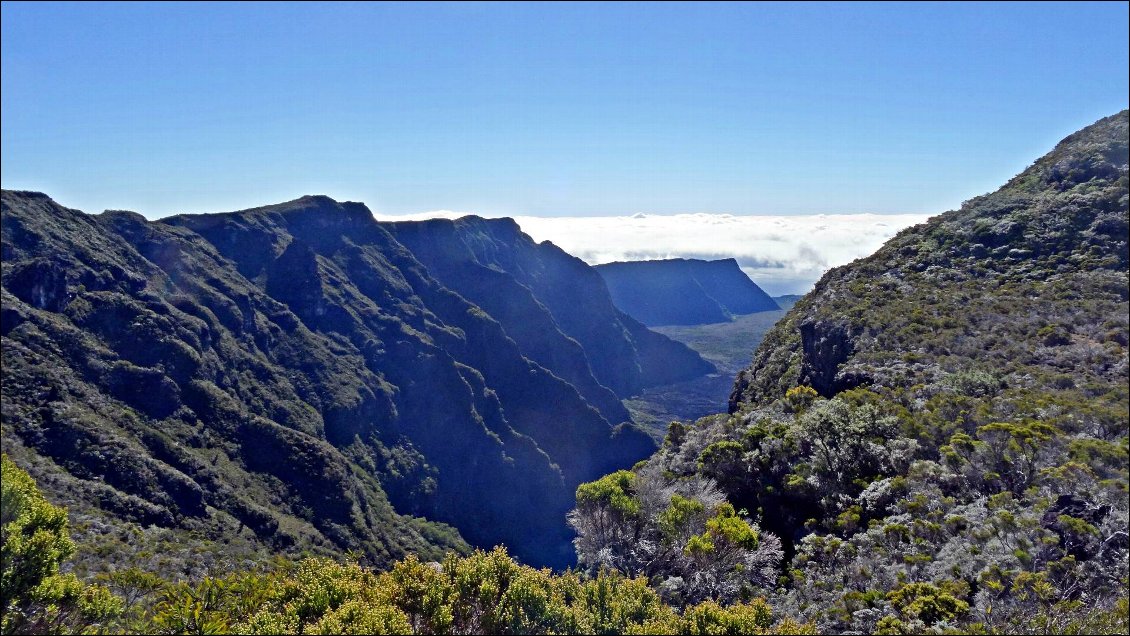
[556, 307]
[683, 291]
[293, 370]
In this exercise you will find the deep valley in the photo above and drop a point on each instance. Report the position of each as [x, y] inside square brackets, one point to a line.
[298, 419]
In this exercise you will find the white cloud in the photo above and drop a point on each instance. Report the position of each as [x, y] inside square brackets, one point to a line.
[782, 254]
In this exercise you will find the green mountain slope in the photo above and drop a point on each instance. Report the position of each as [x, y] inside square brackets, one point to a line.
[1026, 283]
[291, 375]
[939, 432]
[553, 304]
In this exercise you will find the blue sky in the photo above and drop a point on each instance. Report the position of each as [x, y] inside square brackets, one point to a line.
[548, 110]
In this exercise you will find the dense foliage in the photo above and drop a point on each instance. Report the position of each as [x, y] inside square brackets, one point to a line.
[34, 596]
[679, 533]
[483, 593]
[1007, 530]
[939, 433]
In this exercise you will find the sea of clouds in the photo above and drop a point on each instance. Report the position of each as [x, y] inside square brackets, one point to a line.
[782, 254]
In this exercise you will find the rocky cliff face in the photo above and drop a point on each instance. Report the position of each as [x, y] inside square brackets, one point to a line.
[297, 371]
[683, 291]
[825, 346]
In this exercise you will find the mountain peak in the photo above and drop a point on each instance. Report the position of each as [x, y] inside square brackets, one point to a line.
[1097, 151]
[504, 226]
[320, 199]
[322, 206]
[28, 194]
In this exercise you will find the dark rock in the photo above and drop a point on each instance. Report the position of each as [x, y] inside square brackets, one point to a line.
[1074, 506]
[41, 283]
[1081, 545]
[825, 346]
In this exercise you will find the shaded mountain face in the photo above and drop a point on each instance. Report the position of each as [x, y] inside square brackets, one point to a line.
[683, 291]
[555, 306]
[296, 372]
[1026, 284]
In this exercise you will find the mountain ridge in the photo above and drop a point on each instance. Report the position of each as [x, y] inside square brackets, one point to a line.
[945, 419]
[683, 291]
[1047, 214]
[620, 353]
[337, 343]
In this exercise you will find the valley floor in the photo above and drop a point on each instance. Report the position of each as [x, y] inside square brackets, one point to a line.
[728, 345]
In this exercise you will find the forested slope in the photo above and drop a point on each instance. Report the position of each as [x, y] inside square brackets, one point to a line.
[291, 377]
[937, 434]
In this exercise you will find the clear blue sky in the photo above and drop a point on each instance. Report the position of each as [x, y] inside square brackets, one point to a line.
[554, 109]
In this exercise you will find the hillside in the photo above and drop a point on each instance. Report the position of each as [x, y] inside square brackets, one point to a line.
[683, 291]
[554, 306]
[938, 433]
[934, 440]
[293, 378]
[1037, 270]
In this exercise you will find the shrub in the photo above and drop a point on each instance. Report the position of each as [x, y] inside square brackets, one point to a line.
[34, 596]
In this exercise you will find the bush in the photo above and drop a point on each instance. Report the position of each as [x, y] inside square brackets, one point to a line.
[34, 596]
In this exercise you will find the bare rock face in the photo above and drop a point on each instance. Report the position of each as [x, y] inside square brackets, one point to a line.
[41, 283]
[826, 346]
[682, 291]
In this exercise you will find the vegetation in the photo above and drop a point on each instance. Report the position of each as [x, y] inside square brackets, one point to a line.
[680, 534]
[888, 465]
[482, 593]
[34, 596]
[1027, 284]
[293, 378]
[553, 305]
[727, 345]
[881, 537]
[938, 434]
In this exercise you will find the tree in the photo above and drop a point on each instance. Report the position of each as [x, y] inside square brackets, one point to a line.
[680, 533]
[34, 596]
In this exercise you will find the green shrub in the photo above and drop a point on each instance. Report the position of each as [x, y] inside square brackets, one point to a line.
[34, 596]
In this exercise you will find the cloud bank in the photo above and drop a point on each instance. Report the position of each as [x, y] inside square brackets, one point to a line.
[782, 254]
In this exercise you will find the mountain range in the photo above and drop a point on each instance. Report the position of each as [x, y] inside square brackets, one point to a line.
[319, 379]
[934, 440]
